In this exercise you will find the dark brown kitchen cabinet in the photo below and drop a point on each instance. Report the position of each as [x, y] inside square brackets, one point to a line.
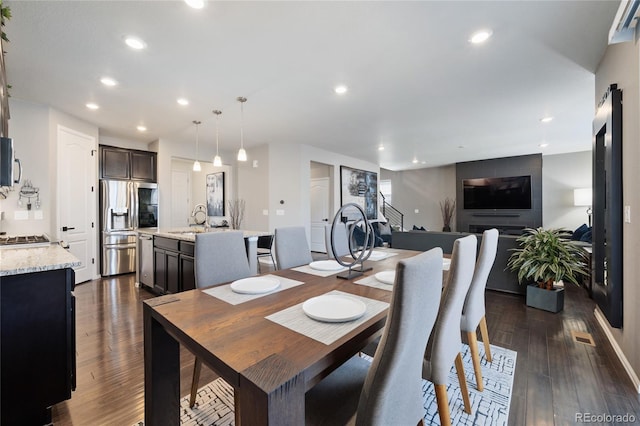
[159, 271]
[121, 163]
[173, 272]
[114, 163]
[173, 265]
[143, 165]
[37, 345]
[187, 266]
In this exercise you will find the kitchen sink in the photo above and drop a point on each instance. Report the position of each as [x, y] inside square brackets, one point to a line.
[189, 232]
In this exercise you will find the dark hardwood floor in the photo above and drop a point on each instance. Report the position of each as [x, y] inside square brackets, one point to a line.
[555, 376]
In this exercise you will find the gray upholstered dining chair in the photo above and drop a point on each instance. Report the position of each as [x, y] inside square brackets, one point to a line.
[219, 257]
[387, 391]
[444, 344]
[473, 312]
[341, 240]
[292, 248]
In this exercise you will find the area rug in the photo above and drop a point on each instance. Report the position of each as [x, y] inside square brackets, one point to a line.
[214, 406]
[489, 407]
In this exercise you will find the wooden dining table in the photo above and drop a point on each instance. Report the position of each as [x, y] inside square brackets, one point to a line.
[269, 366]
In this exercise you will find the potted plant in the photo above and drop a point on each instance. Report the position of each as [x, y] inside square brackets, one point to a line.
[547, 257]
[448, 209]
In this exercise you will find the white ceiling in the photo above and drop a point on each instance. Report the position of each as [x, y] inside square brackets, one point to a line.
[415, 83]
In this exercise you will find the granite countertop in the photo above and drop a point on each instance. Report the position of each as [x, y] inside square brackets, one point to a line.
[16, 261]
[189, 233]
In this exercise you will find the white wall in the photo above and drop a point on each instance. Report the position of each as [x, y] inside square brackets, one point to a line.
[29, 129]
[34, 129]
[168, 151]
[422, 189]
[281, 183]
[309, 154]
[253, 188]
[124, 143]
[620, 65]
[561, 174]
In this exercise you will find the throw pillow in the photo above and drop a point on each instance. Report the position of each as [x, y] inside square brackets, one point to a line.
[384, 228]
[577, 234]
[586, 237]
[359, 234]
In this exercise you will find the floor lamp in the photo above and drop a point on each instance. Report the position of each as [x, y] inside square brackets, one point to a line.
[582, 197]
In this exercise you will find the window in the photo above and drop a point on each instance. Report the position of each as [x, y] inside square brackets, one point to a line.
[385, 189]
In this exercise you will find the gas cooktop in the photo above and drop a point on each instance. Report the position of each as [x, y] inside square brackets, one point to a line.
[24, 241]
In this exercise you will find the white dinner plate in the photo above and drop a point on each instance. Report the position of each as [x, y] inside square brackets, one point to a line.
[386, 277]
[325, 265]
[334, 308]
[255, 285]
[445, 264]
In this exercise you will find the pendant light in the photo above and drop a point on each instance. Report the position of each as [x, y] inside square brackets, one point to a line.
[217, 161]
[196, 164]
[242, 154]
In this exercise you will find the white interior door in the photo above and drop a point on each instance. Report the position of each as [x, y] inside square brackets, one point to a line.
[319, 195]
[180, 190]
[77, 199]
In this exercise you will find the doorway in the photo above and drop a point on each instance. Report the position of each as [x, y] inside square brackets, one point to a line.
[77, 199]
[180, 190]
[321, 199]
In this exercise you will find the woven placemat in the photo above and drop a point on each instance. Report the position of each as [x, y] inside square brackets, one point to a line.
[224, 292]
[295, 319]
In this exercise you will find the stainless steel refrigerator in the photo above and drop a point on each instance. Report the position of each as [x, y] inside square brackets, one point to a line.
[125, 206]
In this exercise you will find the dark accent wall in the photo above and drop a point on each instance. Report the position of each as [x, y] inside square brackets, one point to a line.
[510, 221]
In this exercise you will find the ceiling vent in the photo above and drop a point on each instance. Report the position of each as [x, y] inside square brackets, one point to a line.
[624, 24]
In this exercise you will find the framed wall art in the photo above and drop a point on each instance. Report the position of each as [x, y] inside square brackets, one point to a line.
[359, 187]
[215, 194]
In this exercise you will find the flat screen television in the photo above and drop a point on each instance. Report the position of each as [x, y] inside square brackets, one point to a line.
[513, 192]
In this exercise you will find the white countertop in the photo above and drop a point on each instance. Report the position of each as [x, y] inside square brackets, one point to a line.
[189, 233]
[16, 261]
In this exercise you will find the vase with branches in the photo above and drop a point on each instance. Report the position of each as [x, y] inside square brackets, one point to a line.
[448, 210]
[236, 213]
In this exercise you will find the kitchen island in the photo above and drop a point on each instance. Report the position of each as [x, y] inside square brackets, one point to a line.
[37, 340]
[166, 257]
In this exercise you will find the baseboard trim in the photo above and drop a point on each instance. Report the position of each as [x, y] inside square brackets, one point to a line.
[604, 324]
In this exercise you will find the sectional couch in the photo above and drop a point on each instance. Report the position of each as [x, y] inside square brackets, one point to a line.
[500, 278]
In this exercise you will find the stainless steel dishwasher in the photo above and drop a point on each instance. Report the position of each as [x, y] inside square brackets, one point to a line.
[145, 258]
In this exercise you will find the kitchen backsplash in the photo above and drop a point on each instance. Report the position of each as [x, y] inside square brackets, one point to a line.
[16, 220]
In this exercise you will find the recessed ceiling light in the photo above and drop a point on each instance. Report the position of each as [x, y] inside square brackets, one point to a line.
[341, 90]
[135, 43]
[480, 36]
[381, 147]
[91, 105]
[183, 101]
[543, 145]
[415, 161]
[108, 81]
[196, 4]
[546, 119]
[141, 128]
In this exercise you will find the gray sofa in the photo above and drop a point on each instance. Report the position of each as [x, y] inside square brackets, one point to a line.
[499, 278]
